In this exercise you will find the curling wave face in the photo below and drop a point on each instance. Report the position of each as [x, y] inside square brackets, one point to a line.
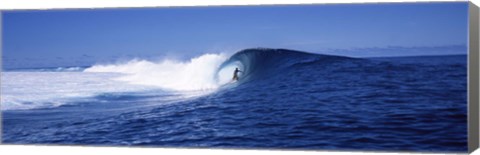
[260, 62]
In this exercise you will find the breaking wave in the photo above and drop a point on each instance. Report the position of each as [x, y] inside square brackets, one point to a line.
[208, 71]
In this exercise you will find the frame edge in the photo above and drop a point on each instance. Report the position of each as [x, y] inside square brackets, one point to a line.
[473, 77]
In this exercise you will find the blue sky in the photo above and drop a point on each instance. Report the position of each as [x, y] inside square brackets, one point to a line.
[190, 31]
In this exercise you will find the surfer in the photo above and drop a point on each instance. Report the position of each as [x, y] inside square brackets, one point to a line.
[235, 74]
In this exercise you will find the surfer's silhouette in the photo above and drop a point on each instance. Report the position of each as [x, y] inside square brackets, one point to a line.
[235, 74]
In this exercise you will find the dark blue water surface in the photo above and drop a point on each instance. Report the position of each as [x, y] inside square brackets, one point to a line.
[285, 100]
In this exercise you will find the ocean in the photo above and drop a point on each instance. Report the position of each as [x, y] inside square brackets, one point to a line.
[284, 99]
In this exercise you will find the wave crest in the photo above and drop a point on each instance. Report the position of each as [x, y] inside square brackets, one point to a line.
[195, 74]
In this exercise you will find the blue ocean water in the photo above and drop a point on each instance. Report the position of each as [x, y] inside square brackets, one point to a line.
[284, 100]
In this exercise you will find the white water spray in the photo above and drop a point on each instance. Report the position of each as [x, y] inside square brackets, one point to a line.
[199, 73]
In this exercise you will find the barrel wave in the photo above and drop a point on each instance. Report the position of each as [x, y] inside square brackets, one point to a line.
[261, 62]
[284, 99]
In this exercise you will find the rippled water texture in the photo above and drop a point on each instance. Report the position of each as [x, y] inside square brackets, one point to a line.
[310, 102]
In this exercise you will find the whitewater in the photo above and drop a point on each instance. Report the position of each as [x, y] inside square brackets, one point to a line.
[51, 88]
[196, 74]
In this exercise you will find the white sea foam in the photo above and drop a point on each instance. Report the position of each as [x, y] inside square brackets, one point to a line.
[199, 73]
[29, 90]
[68, 69]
